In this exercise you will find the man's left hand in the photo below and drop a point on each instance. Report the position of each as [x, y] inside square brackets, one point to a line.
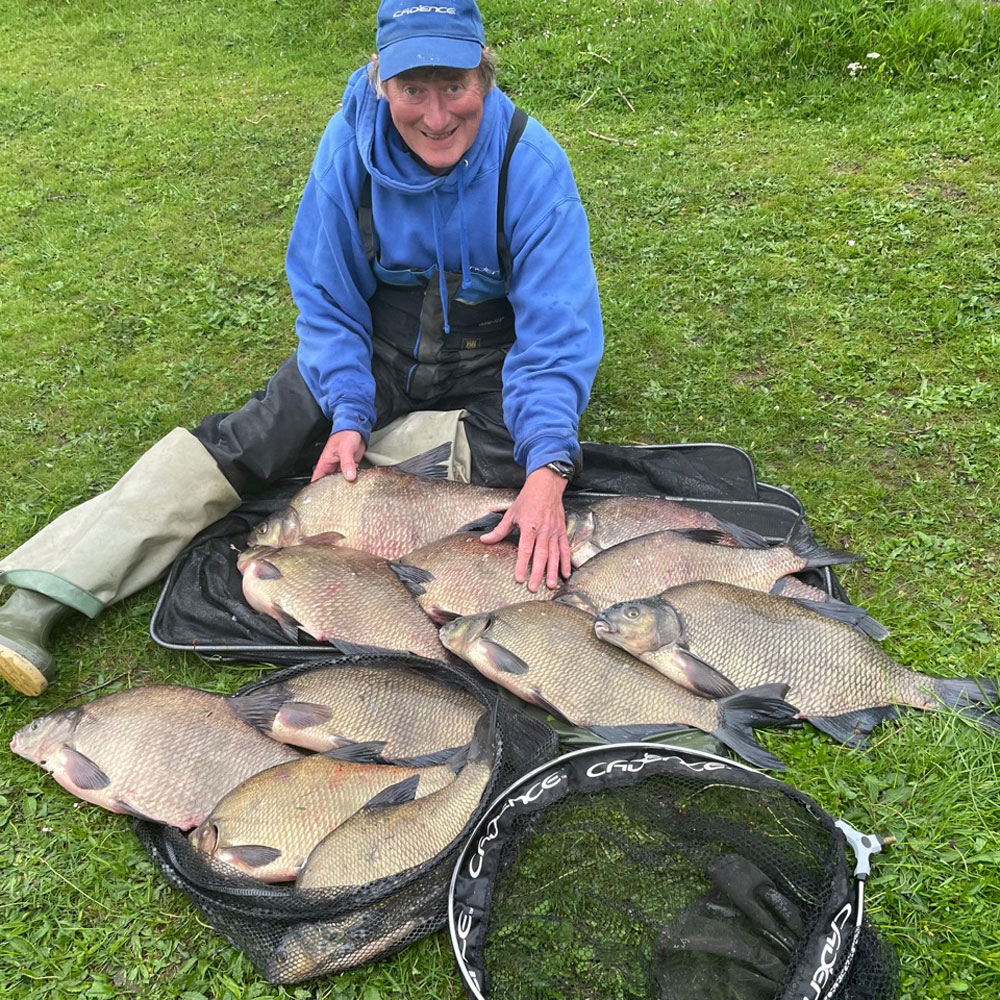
[538, 513]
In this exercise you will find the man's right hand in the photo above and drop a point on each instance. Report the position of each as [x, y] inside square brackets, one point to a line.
[342, 453]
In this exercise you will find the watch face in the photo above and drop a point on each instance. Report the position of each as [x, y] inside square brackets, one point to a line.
[565, 469]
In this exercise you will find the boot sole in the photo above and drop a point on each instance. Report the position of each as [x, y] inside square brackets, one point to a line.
[19, 671]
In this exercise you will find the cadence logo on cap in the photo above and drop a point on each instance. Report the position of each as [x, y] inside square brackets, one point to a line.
[424, 9]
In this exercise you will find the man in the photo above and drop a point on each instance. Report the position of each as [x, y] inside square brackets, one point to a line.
[440, 262]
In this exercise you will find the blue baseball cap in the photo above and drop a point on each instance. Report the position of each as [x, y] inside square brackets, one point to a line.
[449, 33]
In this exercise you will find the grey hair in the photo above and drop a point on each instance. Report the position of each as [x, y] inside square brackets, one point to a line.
[487, 72]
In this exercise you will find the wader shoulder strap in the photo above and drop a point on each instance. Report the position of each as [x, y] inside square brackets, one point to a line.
[366, 223]
[517, 123]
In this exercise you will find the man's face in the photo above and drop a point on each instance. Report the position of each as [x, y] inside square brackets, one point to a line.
[437, 118]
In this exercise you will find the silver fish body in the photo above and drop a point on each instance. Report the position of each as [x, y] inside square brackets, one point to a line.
[160, 752]
[547, 654]
[651, 563]
[342, 596]
[837, 677]
[267, 826]
[460, 575]
[612, 520]
[387, 510]
[403, 713]
[384, 840]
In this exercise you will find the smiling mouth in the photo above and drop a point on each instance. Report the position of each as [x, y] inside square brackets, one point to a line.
[439, 136]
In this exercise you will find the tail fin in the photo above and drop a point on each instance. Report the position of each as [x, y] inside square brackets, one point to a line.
[974, 698]
[430, 464]
[759, 707]
[801, 541]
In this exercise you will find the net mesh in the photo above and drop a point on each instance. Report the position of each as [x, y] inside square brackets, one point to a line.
[679, 886]
[292, 935]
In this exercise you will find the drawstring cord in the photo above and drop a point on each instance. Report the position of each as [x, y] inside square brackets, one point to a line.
[439, 250]
[463, 242]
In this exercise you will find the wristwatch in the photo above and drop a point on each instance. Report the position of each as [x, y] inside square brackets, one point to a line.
[564, 469]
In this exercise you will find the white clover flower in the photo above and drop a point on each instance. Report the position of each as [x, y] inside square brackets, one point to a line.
[854, 68]
[873, 55]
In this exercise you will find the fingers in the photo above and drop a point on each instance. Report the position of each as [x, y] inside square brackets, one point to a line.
[502, 530]
[325, 466]
[348, 466]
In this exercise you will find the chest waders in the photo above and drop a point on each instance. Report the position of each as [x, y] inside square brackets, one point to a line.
[430, 355]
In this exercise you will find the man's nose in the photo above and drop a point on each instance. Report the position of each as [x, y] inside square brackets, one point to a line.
[436, 113]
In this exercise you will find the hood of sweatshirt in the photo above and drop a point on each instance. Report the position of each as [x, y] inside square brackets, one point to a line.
[391, 164]
[385, 155]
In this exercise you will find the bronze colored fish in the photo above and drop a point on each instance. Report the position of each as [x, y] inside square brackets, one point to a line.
[651, 563]
[320, 948]
[388, 511]
[162, 753]
[382, 840]
[348, 598]
[607, 522]
[398, 711]
[459, 575]
[268, 825]
[547, 653]
[709, 635]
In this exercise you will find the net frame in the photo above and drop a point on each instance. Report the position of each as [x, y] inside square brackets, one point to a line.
[825, 961]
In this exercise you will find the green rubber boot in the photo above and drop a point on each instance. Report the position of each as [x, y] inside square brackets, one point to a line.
[26, 620]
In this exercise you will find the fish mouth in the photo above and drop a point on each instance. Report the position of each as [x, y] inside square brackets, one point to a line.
[601, 624]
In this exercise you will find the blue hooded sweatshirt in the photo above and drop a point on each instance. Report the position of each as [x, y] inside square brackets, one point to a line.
[441, 222]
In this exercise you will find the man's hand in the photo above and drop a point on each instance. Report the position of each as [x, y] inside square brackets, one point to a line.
[342, 453]
[538, 513]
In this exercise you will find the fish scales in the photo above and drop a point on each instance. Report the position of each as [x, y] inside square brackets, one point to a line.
[385, 511]
[380, 841]
[410, 713]
[751, 638]
[608, 522]
[651, 563]
[460, 575]
[337, 595]
[547, 653]
[160, 752]
[267, 826]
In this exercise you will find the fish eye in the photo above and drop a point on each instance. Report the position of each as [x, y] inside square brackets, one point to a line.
[632, 612]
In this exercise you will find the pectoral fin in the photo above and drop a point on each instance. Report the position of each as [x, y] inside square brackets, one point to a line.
[303, 714]
[82, 771]
[252, 855]
[696, 675]
[502, 658]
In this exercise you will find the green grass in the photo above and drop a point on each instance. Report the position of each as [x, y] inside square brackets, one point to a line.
[793, 259]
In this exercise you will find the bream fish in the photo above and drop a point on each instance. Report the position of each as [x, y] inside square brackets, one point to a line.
[459, 575]
[547, 654]
[702, 633]
[348, 598]
[398, 711]
[388, 511]
[607, 522]
[161, 753]
[383, 840]
[314, 948]
[268, 825]
[651, 563]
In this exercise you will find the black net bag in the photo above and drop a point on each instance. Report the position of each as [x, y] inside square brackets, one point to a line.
[291, 935]
[639, 870]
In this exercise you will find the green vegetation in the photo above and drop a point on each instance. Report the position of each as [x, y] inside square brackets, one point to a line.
[797, 247]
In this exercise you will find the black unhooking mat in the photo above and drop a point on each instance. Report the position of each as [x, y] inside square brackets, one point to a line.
[201, 608]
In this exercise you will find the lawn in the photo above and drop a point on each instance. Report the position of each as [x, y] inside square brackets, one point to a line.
[793, 217]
